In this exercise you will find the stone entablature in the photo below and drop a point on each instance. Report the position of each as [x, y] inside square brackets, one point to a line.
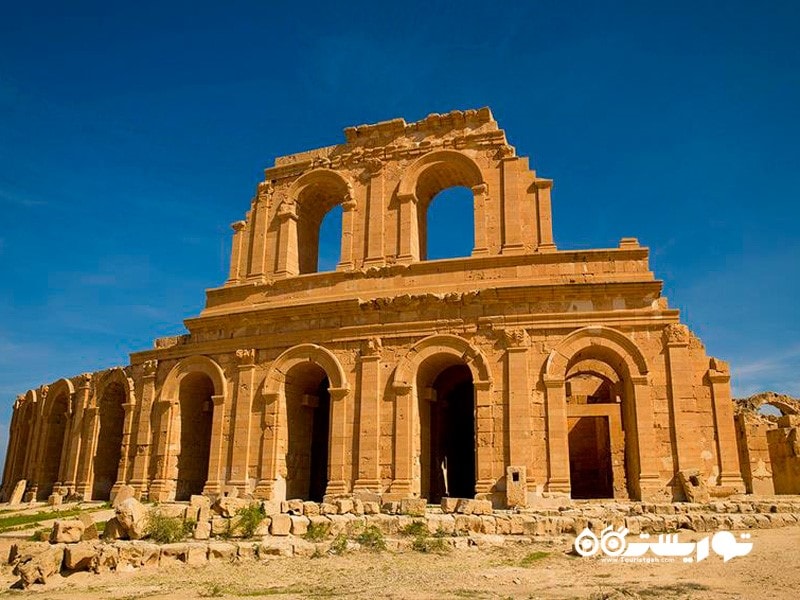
[515, 373]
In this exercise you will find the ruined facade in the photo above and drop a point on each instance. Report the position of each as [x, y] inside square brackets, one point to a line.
[517, 372]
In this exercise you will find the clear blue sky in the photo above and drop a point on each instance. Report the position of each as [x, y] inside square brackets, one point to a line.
[133, 134]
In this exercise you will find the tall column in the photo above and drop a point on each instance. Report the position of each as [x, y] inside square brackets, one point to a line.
[32, 461]
[144, 449]
[557, 435]
[544, 215]
[236, 251]
[124, 460]
[403, 438]
[650, 486]
[486, 474]
[408, 250]
[512, 207]
[369, 421]
[348, 224]
[269, 448]
[375, 213]
[76, 442]
[288, 257]
[519, 409]
[243, 406]
[338, 482]
[259, 216]
[214, 482]
[727, 454]
[89, 430]
[681, 398]
[163, 487]
[480, 199]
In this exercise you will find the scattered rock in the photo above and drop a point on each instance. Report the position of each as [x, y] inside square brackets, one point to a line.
[37, 568]
[89, 527]
[19, 492]
[81, 556]
[280, 525]
[124, 492]
[67, 531]
[132, 517]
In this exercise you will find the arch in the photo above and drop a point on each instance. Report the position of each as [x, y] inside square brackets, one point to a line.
[447, 168]
[311, 197]
[599, 337]
[442, 344]
[194, 364]
[59, 388]
[56, 415]
[114, 375]
[324, 358]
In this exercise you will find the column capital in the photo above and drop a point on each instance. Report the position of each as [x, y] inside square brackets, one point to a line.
[245, 357]
[677, 335]
[551, 381]
[149, 367]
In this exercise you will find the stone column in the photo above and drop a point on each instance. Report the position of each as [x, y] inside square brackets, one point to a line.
[408, 251]
[403, 434]
[214, 482]
[519, 409]
[544, 215]
[338, 482]
[259, 217]
[32, 461]
[512, 208]
[236, 251]
[557, 436]
[369, 421]
[124, 459]
[75, 442]
[288, 256]
[727, 453]
[141, 459]
[650, 486]
[163, 487]
[486, 475]
[243, 405]
[269, 447]
[480, 199]
[375, 213]
[85, 466]
[681, 398]
[348, 226]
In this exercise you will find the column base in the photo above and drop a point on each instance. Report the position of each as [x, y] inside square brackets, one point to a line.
[558, 485]
[336, 488]
[401, 488]
[161, 491]
[372, 486]
[732, 480]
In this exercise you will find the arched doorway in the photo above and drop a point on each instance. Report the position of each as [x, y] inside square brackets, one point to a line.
[447, 227]
[109, 440]
[308, 422]
[56, 424]
[196, 411]
[23, 443]
[447, 430]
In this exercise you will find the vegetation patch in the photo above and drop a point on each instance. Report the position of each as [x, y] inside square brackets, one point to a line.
[249, 518]
[17, 522]
[532, 558]
[166, 530]
[371, 538]
[317, 532]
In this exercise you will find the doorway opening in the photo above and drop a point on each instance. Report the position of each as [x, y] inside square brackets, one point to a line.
[109, 441]
[196, 415]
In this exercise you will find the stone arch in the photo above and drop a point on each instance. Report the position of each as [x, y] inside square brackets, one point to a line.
[309, 361]
[197, 383]
[299, 217]
[602, 337]
[446, 344]
[429, 175]
[194, 364]
[590, 347]
[318, 355]
[57, 410]
[21, 440]
[430, 358]
[109, 409]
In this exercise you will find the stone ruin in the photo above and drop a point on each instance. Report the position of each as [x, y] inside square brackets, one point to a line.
[529, 372]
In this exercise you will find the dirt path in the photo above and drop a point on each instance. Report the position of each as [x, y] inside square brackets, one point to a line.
[771, 570]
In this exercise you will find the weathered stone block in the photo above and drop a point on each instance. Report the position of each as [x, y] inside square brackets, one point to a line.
[280, 525]
[413, 506]
[67, 531]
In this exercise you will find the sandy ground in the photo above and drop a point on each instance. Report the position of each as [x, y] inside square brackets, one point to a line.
[771, 570]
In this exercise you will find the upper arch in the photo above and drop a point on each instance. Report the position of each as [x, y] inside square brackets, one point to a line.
[603, 337]
[115, 375]
[301, 353]
[58, 389]
[447, 344]
[194, 364]
[453, 168]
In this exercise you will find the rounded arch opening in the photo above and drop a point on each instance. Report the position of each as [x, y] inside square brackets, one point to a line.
[308, 405]
[448, 229]
[109, 440]
[330, 240]
[446, 408]
[196, 410]
[56, 417]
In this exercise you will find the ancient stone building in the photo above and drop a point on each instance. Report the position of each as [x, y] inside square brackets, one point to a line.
[517, 372]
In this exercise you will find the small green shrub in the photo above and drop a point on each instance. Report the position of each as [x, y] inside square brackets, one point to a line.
[531, 558]
[250, 518]
[416, 529]
[41, 535]
[339, 545]
[372, 539]
[429, 544]
[317, 532]
[165, 530]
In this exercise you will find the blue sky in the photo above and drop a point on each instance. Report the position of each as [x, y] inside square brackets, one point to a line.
[133, 134]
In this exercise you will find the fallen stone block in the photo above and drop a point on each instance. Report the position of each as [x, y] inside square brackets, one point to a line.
[271, 547]
[280, 525]
[173, 553]
[202, 531]
[449, 505]
[299, 525]
[39, 567]
[67, 531]
[18, 492]
[246, 550]
[132, 517]
[413, 506]
[124, 492]
[81, 556]
[196, 554]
